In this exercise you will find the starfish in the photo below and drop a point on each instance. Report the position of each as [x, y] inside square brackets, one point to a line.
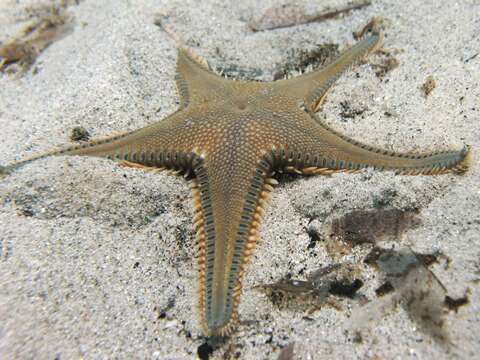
[228, 138]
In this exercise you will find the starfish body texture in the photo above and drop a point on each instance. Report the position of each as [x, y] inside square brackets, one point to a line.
[228, 137]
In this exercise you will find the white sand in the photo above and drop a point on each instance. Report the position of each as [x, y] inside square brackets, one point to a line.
[91, 253]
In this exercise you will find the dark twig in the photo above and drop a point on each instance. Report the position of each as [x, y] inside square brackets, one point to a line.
[291, 15]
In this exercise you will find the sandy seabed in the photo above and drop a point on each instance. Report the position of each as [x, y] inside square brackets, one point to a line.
[97, 261]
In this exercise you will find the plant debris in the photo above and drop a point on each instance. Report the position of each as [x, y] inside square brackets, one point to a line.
[387, 64]
[204, 351]
[287, 352]
[371, 226]
[384, 289]
[314, 236]
[471, 58]
[428, 85]
[426, 259]
[290, 15]
[345, 288]
[79, 133]
[49, 24]
[453, 304]
[415, 288]
[300, 60]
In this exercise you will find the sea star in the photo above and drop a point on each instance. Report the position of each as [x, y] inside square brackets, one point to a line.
[228, 137]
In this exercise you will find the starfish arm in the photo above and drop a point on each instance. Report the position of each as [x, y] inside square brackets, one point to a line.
[153, 146]
[196, 83]
[101, 147]
[193, 73]
[229, 203]
[327, 151]
[312, 87]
